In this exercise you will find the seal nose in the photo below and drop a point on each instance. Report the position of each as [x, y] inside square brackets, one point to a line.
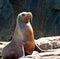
[30, 15]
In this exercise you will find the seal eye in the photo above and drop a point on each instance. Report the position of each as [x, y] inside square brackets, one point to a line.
[23, 14]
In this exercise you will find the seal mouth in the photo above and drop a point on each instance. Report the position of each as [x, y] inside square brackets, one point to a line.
[27, 18]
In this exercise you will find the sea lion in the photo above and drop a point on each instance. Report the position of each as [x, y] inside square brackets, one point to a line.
[22, 42]
[28, 34]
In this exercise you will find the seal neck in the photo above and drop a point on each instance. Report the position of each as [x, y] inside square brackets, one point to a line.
[17, 34]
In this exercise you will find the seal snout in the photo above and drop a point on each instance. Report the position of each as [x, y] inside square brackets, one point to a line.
[28, 17]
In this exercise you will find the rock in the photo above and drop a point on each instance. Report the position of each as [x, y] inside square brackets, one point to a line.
[46, 55]
[47, 43]
[7, 21]
[57, 5]
[25, 58]
[46, 15]
[2, 45]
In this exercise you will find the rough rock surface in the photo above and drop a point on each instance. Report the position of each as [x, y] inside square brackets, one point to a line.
[46, 15]
[55, 48]
[7, 21]
[46, 43]
[45, 55]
